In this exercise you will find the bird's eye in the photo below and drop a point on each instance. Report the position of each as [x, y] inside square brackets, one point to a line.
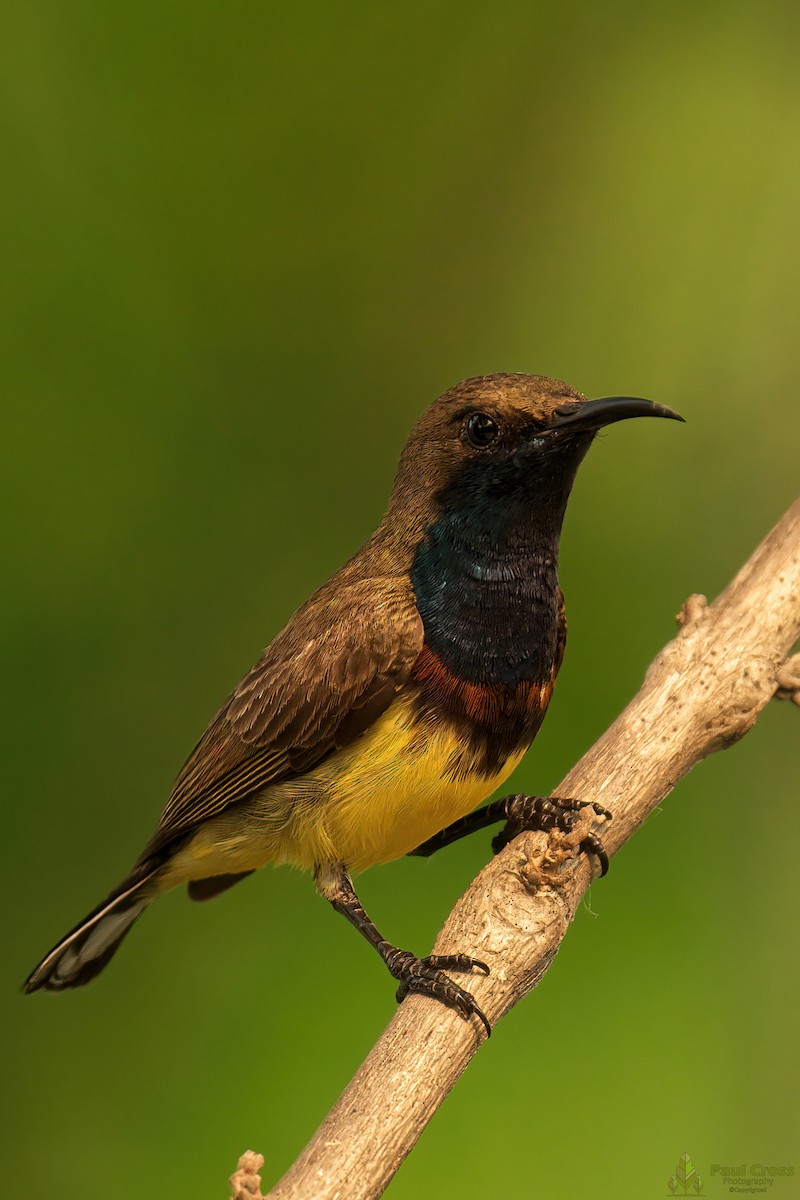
[481, 430]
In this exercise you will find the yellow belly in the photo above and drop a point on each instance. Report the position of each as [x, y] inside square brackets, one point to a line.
[369, 803]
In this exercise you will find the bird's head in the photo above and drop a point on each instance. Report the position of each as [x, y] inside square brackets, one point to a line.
[499, 444]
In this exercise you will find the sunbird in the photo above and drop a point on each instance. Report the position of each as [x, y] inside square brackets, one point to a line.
[401, 695]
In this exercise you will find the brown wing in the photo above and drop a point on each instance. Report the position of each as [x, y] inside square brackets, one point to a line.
[324, 680]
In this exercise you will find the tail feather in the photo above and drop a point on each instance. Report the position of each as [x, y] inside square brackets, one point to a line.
[86, 949]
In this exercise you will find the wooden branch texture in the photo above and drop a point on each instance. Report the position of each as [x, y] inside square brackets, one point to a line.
[703, 692]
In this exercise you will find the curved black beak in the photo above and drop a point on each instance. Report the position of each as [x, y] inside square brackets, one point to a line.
[594, 414]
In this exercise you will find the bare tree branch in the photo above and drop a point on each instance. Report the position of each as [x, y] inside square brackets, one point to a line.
[703, 692]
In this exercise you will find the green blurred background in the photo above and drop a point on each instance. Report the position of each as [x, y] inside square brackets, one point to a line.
[244, 245]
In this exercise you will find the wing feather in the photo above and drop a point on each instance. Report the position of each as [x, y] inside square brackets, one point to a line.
[324, 680]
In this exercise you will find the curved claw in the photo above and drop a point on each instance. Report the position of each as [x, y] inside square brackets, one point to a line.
[456, 962]
[465, 1005]
[591, 844]
[426, 977]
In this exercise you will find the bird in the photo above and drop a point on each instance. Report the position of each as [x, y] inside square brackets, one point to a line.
[401, 695]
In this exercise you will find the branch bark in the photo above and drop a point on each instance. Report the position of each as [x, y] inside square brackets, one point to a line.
[702, 693]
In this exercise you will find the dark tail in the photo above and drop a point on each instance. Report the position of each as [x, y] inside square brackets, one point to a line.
[87, 948]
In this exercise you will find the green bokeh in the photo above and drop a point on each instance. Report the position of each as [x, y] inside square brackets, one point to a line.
[244, 246]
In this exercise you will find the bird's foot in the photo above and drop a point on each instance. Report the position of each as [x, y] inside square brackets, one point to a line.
[426, 976]
[549, 813]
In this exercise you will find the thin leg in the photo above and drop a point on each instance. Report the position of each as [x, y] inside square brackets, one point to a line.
[423, 975]
[490, 814]
[521, 812]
